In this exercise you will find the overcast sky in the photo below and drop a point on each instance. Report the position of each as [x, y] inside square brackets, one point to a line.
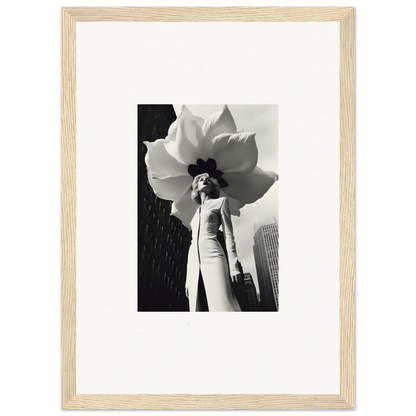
[262, 120]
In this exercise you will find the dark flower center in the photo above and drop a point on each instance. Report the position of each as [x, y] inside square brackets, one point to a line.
[210, 167]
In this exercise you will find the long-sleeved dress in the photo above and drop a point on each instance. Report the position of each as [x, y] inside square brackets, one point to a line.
[211, 262]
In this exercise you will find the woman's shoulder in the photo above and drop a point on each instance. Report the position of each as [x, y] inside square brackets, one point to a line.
[221, 201]
[216, 203]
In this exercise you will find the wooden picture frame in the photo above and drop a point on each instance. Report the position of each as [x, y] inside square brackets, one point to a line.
[346, 398]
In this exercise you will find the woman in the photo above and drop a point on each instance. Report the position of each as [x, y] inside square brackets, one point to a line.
[212, 279]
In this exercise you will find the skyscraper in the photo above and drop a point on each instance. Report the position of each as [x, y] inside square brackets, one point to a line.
[250, 289]
[163, 240]
[266, 256]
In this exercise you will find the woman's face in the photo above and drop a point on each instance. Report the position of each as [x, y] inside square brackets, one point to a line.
[205, 184]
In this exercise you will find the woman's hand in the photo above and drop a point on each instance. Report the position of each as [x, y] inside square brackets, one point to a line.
[234, 276]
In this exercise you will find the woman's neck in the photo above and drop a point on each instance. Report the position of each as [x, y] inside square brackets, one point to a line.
[204, 197]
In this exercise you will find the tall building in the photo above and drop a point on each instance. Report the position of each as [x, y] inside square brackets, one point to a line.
[251, 293]
[266, 256]
[163, 240]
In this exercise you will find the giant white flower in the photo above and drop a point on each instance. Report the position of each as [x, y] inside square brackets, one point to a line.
[193, 146]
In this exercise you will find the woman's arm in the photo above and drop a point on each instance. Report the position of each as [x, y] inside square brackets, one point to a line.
[229, 239]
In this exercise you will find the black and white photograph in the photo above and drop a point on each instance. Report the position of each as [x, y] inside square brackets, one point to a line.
[208, 210]
[208, 162]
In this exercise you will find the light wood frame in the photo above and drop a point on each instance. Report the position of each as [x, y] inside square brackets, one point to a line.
[346, 399]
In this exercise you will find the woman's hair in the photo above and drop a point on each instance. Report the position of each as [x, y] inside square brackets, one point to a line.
[215, 190]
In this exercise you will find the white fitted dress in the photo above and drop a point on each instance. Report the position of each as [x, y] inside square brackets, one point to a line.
[212, 263]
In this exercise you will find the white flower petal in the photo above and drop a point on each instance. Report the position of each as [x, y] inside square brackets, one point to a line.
[182, 147]
[217, 123]
[184, 208]
[251, 187]
[192, 124]
[170, 189]
[160, 163]
[185, 114]
[172, 131]
[235, 152]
